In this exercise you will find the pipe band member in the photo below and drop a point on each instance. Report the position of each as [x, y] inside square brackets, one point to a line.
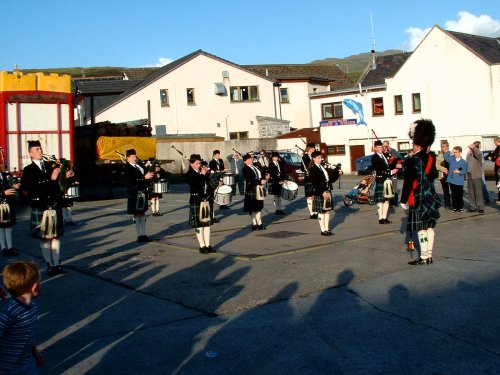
[418, 193]
[40, 183]
[216, 166]
[200, 217]
[322, 199]
[254, 192]
[276, 179]
[159, 175]
[383, 172]
[308, 186]
[137, 193]
[8, 199]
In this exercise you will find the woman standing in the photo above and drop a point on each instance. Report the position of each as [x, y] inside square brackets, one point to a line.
[200, 217]
[322, 201]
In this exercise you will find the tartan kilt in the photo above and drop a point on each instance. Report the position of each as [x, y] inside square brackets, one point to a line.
[156, 195]
[318, 202]
[415, 222]
[36, 220]
[67, 202]
[378, 195]
[12, 216]
[132, 203]
[194, 216]
[308, 187]
[250, 203]
[275, 189]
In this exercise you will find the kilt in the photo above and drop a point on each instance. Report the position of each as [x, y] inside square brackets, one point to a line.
[250, 203]
[318, 202]
[132, 203]
[415, 222]
[36, 220]
[378, 195]
[12, 215]
[156, 195]
[194, 216]
[308, 187]
[275, 189]
[67, 202]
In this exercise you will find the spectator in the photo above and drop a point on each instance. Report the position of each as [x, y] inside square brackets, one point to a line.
[475, 178]
[458, 168]
[442, 167]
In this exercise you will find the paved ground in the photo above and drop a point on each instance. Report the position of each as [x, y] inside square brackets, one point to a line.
[281, 301]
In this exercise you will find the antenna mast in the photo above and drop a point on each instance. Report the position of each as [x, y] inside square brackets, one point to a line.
[374, 64]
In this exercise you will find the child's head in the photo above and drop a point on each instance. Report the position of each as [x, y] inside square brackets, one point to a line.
[21, 277]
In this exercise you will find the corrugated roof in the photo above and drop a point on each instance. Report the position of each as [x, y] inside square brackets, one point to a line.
[138, 73]
[104, 87]
[487, 48]
[309, 72]
[386, 67]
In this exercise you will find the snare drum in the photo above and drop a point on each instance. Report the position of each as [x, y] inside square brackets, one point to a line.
[289, 190]
[160, 187]
[73, 191]
[223, 195]
[228, 179]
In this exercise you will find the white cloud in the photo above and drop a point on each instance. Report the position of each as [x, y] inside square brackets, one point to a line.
[161, 62]
[466, 23]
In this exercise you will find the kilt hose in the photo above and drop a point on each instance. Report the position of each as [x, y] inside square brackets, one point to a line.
[36, 220]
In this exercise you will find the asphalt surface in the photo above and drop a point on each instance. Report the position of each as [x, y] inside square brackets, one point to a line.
[281, 301]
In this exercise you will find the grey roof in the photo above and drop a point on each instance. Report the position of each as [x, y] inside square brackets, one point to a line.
[310, 72]
[487, 48]
[164, 70]
[104, 87]
[138, 73]
[386, 67]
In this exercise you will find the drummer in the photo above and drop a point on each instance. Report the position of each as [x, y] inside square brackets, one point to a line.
[276, 179]
[254, 195]
[216, 166]
[159, 174]
[308, 187]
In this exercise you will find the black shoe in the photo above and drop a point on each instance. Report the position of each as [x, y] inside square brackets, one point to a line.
[211, 249]
[12, 252]
[51, 271]
[58, 270]
[417, 262]
[387, 221]
[224, 207]
[330, 233]
[481, 211]
[215, 220]
[280, 212]
[140, 239]
[146, 239]
[159, 214]
[254, 227]
[313, 216]
[204, 250]
[428, 261]
[325, 233]
[261, 227]
[472, 210]
[381, 221]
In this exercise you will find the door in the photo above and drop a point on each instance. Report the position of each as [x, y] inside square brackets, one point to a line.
[356, 151]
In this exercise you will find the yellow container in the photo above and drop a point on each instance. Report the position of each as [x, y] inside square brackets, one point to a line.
[53, 82]
[17, 81]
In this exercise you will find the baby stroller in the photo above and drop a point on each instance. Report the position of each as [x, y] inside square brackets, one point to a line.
[361, 192]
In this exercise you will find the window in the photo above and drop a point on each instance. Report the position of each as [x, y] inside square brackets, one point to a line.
[404, 146]
[164, 97]
[332, 110]
[335, 149]
[284, 95]
[415, 99]
[378, 106]
[398, 104]
[238, 135]
[244, 93]
[190, 96]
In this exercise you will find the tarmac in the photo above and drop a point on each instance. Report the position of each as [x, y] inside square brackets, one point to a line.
[285, 300]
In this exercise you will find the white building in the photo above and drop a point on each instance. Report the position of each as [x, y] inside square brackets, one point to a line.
[451, 78]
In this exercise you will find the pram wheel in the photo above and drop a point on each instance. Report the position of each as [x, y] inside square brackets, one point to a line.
[371, 202]
[348, 201]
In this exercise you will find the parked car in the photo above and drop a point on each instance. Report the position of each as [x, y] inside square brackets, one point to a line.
[488, 164]
[292, 162]
[364, 163]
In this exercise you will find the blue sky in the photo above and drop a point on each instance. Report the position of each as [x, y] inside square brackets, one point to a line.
[132, 33]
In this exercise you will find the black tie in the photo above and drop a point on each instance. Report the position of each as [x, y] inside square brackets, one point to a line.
[42, 167]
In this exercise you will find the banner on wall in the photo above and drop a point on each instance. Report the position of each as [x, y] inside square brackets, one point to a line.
[338, 122]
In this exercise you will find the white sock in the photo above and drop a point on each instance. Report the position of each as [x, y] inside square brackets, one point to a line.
[327, 220]
[8, 237]
[157, 205]
[55, 246]
[321, 219]
[45, 247]
[137, 220]
[200, 237]
[277, 202]
[430, 235]
[254, 220]
[206, 235]
[143, 224]
[379, 210]
[385, 209]
[2, 239]
[310, 206]
[424, 244]
[258, 218]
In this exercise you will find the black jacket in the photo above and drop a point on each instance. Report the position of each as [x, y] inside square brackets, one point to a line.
[381, 168]
[198, 186]
[319, 181]
[39, 188]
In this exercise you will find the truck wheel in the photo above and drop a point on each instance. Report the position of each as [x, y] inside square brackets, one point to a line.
[290, 177]
[348, 201]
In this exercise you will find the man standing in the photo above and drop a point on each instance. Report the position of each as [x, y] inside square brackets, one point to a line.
[442, 167]
[308, 186]
[395, 161]
[216, 166]
[475, 178]
[254, 193]
[236, 167]
[382, 173]
[495, 158]
[276, 179]
[137, 195]
[40, 182]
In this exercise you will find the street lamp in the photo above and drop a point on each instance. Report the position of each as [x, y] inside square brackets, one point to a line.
[227, 129]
